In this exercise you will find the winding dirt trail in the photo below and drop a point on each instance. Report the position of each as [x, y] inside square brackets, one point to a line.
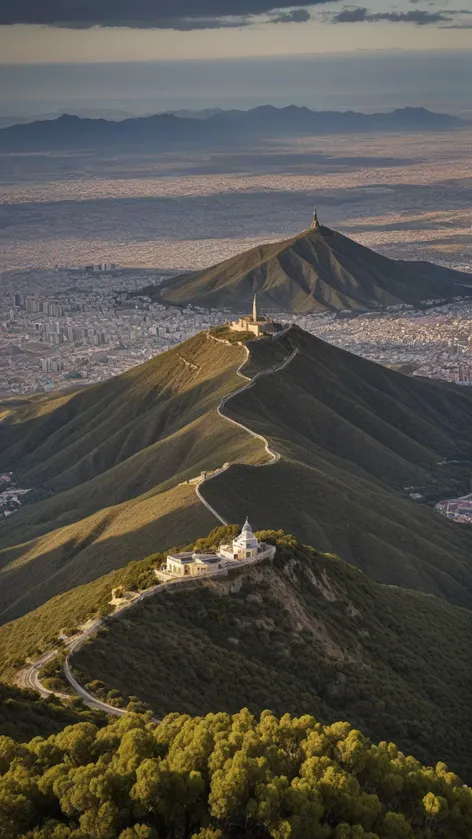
[274, 455]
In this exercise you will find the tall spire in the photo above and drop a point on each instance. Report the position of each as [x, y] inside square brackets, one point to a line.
[315, 225]
[254, 308]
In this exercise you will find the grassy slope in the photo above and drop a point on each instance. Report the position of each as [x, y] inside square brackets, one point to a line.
[351, 435]
[111, 459]
[310, 634]
[316, 270]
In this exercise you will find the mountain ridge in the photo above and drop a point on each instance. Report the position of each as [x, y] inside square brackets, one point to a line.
[304, 633]
[70, 131]
[318, 269]
[351, 433]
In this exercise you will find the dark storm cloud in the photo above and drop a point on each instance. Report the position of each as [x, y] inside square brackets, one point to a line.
[143, 14]
[355, 14]
[297, 16]
[359, 14]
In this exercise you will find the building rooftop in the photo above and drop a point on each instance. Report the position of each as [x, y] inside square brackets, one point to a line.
[208, 559]
[183, 557]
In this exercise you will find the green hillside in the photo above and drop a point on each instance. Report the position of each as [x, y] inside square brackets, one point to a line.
[41, 629]
[309, 634]
[225, 777]
[109, 466]
[352, 436]
[320, 269]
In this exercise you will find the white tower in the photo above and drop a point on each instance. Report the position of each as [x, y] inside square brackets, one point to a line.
[254, 308]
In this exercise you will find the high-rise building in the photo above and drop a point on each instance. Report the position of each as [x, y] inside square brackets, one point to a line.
[75, 333]
[33, 306]
[51, 365]
[53, 309]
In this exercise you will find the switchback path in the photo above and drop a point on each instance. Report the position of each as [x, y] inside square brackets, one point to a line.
[30, 676]
[274, 455]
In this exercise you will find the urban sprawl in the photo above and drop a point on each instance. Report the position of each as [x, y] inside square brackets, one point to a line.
[68, 326]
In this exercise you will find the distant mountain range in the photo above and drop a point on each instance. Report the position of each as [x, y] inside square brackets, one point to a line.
[320, 269]
[114, 114]
[74, 132]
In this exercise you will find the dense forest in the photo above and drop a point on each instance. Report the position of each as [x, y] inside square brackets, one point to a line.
[224, 777]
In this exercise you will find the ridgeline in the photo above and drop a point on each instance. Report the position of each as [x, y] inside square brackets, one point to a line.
[225, 128]
[110, 466]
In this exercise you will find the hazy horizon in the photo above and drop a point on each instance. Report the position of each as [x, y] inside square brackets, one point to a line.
[363, 80]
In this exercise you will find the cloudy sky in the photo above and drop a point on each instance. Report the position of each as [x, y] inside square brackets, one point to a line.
[145, 30]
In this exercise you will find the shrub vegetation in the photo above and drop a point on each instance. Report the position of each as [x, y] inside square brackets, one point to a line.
[42, 629]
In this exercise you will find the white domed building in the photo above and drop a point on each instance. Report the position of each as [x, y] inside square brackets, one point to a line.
[245, 548]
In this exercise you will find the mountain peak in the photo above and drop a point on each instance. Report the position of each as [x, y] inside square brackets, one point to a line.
[316, 270]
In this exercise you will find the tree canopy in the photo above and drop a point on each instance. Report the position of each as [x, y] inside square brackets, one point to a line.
[224, 776]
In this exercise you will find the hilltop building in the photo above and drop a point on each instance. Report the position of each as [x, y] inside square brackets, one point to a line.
[315, 225]
[255, 323]
[192, 564]
[243, 549]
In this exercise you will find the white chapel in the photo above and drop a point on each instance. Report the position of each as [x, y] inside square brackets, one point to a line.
[245, 548]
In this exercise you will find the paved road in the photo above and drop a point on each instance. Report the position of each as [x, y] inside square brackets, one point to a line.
[86, 696]
[29, 678]
[274, 455]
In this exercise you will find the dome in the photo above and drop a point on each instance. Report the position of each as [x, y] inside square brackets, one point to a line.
[246, 539]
